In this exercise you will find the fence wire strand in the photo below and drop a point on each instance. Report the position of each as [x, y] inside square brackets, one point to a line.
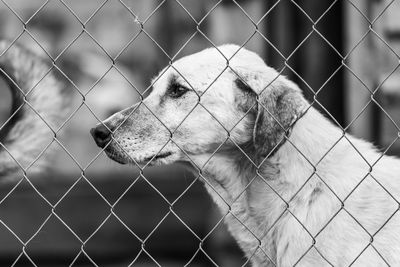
[200, 174]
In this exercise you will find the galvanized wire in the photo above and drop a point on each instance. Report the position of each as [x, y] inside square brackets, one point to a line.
[200, 176]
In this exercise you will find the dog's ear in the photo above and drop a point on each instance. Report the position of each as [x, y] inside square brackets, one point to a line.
[279, 104]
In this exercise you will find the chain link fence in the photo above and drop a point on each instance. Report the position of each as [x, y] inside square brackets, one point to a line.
[372, 30]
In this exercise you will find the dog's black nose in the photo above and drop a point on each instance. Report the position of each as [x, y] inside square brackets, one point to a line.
[101, 135]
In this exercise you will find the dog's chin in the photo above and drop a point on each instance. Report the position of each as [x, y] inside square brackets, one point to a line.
[116, 157]
[162, 158]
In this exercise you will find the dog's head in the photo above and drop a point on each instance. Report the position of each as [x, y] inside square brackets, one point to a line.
[201, 104]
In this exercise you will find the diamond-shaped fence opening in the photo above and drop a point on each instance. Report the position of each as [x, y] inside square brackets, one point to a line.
[293, 183]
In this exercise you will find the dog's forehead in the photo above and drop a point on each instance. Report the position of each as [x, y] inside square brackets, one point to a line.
[204, 66]
[212, 67]
[209, 61]
[207, 58]
[196, 70]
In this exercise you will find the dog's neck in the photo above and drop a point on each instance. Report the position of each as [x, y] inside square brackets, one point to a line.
[255, 201]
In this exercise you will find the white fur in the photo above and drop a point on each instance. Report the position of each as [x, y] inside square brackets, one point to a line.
[298, 200]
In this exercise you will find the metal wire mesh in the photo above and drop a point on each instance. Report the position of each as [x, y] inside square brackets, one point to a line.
[197, 30]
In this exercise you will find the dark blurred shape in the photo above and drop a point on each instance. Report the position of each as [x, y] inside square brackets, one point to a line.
[309, 35]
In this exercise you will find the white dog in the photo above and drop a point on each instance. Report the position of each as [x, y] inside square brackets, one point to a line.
[295, 189]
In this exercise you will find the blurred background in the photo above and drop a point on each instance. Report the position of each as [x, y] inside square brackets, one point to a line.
[338, 52]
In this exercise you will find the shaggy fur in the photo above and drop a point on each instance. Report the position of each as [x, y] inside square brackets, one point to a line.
[25, 134]
[279, 169]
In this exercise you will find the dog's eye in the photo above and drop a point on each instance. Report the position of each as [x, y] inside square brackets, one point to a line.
[177, 90]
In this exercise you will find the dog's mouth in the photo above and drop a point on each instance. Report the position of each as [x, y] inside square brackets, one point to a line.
[157, 157]
[122, 160]
[123, 157]
[115, 157]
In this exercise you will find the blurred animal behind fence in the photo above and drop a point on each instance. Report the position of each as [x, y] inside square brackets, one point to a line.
[38, 109]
